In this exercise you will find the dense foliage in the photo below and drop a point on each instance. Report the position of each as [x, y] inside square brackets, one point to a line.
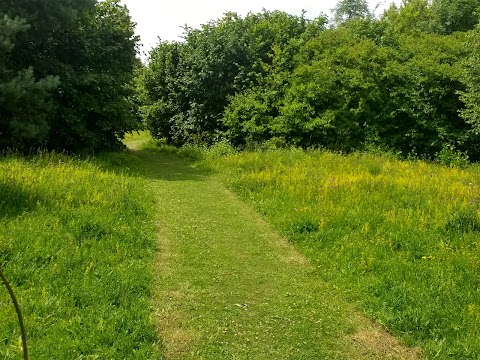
[188, 84]
[398, 82]
[66, 73]
[347, 10]
[471, 77]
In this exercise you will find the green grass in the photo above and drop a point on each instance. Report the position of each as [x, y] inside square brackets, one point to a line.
[400, 239]
[77, 243]
[137, 138]
[229, 287]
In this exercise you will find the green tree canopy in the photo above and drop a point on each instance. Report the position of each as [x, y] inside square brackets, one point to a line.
[471, 78]
[454, 15]
[24, 101]
[411, 17]
[347, 10]
[392, 83]
[188, 85]
[66, 74]
[438, 16]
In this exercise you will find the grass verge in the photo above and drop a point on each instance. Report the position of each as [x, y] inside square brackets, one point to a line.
[400, 239]
[77, 242]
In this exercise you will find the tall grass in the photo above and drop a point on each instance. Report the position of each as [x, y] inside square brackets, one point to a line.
[399, 238]
[77, 244]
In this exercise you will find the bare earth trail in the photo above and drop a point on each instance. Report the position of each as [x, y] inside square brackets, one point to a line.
[229, 287]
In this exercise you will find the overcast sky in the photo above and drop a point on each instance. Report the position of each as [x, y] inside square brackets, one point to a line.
[164, 18]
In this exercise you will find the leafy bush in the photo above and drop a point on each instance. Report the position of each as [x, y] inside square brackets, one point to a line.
[188, 85]
[450, 157]
[365, 83]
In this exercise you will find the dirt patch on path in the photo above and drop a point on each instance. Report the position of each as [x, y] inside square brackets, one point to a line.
[375, 341]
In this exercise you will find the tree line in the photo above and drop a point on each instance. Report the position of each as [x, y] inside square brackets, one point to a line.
[66, 74]
[407, 81]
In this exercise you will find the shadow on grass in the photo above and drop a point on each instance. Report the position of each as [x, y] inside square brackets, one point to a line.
[14, 200]
[154, 164]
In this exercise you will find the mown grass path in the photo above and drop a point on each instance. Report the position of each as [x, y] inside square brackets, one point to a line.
[229, 287]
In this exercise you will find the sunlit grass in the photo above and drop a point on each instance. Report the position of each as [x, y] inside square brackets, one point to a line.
[77, 243]
[228, 287]
[401, 239]
[137, 138]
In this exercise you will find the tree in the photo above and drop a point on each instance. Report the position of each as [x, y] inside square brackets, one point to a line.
[390, 83]
[412, 17]
[421, 113]
[454, 15]
[435, 16]
[223, 58]
[24, 101]
[162, 99]
[96, 60]
[471, 79]
[334, 96]
[346, 10]
[357, 86]
[252, 116]
[83, 50]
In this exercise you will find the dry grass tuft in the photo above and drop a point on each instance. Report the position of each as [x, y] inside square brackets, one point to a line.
[380, 344]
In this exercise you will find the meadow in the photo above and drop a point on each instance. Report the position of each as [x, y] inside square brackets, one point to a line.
[400, 239]
[77, 242]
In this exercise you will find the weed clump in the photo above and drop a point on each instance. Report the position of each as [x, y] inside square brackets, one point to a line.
[304, 226]
[464, 221]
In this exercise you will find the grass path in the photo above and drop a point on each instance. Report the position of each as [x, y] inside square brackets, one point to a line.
[229, 287]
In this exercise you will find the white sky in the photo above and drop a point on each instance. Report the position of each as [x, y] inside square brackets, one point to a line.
[164, 18]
